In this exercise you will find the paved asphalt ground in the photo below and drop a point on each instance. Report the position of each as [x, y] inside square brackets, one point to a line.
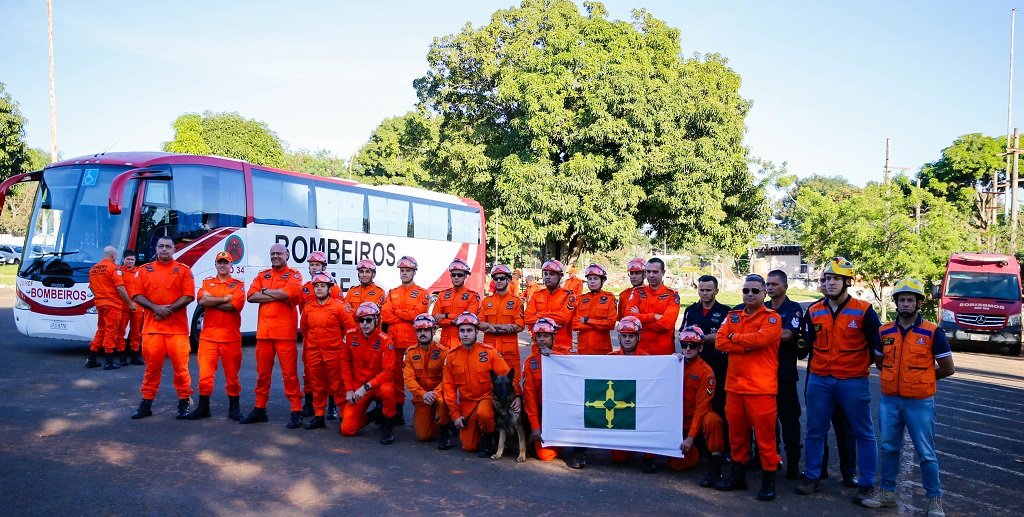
[67, 447]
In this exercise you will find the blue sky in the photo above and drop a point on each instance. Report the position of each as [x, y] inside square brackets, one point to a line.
[829, 81]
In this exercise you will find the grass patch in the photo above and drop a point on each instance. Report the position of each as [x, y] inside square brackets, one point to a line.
[8, 274]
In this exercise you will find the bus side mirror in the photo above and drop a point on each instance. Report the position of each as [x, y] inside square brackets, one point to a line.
[935, 292]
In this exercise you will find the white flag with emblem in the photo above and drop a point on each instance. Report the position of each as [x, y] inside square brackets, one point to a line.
[629, 403]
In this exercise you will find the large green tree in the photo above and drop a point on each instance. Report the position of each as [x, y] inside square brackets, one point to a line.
[788, 208]
[574, 130]
[229, 135]
[320, 162]
[966, 168]
[398, 150]
[13, 153]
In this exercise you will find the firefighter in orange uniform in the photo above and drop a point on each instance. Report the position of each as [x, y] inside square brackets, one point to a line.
[324, 322]
[423, 369]
[573, 283]
[698, 418]
[751, 338]
[635, 270]
[131, 321]
[401, 307]
[595, 315]
[531, 288]
[317, 264]
[166, 287]
[515, 285]
[501, 318]
[554, 303]
[454, 301]
[468, 385]
[367, 370]
[111, 298]
[278, 291]
[366, 291]
[544, 334]
[657, 307]
[223, 297]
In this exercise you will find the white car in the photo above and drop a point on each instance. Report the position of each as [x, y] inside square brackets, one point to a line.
[10, 254]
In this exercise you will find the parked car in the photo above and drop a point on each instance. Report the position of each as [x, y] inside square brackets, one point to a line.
[10, 254]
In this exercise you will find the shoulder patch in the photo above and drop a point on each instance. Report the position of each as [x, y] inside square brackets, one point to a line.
[773, 320]
[447, 295]
[435, 354]
[604, 299]
[148, 268]
[465, 296]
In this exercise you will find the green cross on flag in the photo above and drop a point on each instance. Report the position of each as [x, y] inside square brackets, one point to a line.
[609, 404]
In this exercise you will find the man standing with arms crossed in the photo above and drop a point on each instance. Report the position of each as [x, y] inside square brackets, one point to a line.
[914, 355]
[501, 318]
[554, 303]
[657, 307]
[401, 306]
[454, 301]
[223, 297]
[277, 291]
[166, 287]
[788, 399]
[843, 332]
[595, 315]
[111, 300]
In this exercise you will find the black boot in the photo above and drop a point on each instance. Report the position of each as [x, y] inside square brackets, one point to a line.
[577, 459]
[295, 420]
[444, 438]
[316, 423]
[332, 409]
[234, 411]
[307, 406]
[108, 362]
[200, 411]
[136, 358]
[714, 474]
[767, 492]
[650, 467]
[736, 480]
[376, 415]
[387, 437]
[183, 405]
[123, 357]
[145, 409]
[399, 418]
[91, 362]
[486, 448]
[258, 414]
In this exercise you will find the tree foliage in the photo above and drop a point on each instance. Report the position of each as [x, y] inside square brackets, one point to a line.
[574, 130]
[320, 162]
[226, 134]
[964, 168]
[788, 213]
[13, 153]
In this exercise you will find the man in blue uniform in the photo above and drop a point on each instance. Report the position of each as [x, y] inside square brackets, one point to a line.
[788, 401]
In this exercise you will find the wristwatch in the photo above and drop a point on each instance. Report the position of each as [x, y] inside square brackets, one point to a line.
[263, 291]
[366, 386]
[730, 336]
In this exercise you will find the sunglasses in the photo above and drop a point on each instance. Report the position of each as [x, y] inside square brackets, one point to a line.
[751, 290]
[458, 275]
[366, 320]
[689, 345]
[501, 279]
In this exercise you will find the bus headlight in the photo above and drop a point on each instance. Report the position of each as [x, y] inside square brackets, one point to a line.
[1013, 320]
[948, 316]
[91, 310]
[21, 304]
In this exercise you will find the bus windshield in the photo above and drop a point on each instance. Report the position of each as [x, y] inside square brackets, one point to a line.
[70, 224]
[995, 286]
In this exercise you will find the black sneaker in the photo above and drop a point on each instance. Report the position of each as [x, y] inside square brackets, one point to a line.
[316, 423]
[295, 420]
[808, 486]
[864, 493]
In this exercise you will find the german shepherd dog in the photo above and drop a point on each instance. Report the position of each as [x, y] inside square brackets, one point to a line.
[506, 421]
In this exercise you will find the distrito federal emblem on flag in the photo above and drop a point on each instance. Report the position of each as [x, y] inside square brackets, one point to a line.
[609, 404]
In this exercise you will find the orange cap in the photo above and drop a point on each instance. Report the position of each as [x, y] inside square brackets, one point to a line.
[223, 255]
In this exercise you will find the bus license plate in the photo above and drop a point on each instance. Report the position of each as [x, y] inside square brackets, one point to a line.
[58, 325]
[979, 337]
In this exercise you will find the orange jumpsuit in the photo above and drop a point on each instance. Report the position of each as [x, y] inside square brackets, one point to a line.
[367, 360]
[360, 293]
[752, 381]
[401, 306]
[558, 306]
[594, 320]
[130, 276]
[424, 371]
[467, 389]
[698, 390]
[503, 309]
[104, 279]
[624, 297]
[221, 338]
[450, 303]
[307, 296]
[658, 335]
[164, 284]
[574, 284]
[276, 334]
[530, 290]
[323, 328]
[532, 398]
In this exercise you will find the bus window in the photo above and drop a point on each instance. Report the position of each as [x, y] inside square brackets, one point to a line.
[466, 226]
[430, 222]
[281, 200]
[339, 210]
[389, 216]
[207, 198]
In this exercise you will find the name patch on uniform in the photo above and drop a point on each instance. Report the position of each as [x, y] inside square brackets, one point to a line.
[447, 295]
[510, 305]
[604, 299]
[734, 318]
[483, 357]
[694, 376]
[888, 340]
[435, 355]
[817, 327]
[376, 345]
[414, 294]
[416, 357]
[586, 300]
[465, 296]
[534, 364]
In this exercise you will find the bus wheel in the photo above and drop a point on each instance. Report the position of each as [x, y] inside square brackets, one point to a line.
[1014, 349]
[197, 327]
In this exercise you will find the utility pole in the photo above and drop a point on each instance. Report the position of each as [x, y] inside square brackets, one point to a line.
[53, 94]
[888, 161]
[1009, 108]
[1014, 209]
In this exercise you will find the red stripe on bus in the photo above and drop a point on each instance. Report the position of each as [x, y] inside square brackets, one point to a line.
[38, 308]
[203, 245]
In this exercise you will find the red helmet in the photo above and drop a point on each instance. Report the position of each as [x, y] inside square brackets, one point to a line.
[467, 318]
[629, 325]
[408, 262]
[322, 278]
[459, 265]
[692, 334]
[597, 270]
[424, 321]
[366, 264]
[546, 326]
[367, 309]
[317, 256]
[637, 264]
[501, 269]
[553, 265]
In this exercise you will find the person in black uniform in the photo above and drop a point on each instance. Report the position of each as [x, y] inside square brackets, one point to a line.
[709, 314]
[788, 400]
